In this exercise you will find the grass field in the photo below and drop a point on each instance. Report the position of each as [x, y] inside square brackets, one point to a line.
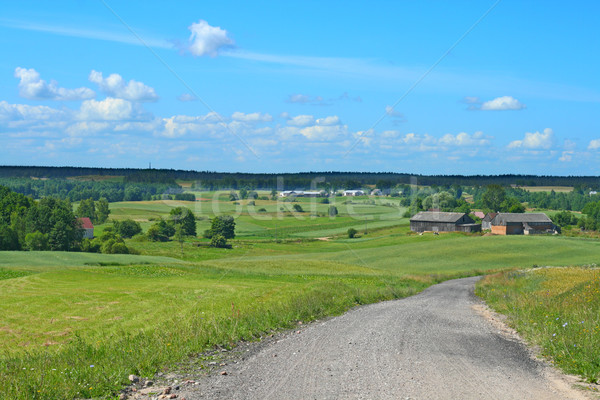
[75, 325]
[557, 309]
[562, 189]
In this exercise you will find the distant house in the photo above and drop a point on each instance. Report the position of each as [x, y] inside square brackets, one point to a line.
[88, 227]
[486, 221]
[522, 224]
[301, 193]
[443, 222]
[353, 193]
[376, 192]
[593, 192]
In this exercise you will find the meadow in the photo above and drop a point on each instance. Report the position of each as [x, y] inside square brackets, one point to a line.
[556, 309]
[75, 325]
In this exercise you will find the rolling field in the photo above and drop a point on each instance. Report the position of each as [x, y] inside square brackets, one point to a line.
[75, 325]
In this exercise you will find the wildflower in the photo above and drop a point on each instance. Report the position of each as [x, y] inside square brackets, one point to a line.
[554, 334]
[92, 366]
[565, 324]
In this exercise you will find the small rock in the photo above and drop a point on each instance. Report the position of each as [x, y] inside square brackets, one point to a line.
[167, 390]
[172, 396]
[134, 378]
[123, 396]
[223, 372]
[176, 388]
[148, 383]
[212, 363]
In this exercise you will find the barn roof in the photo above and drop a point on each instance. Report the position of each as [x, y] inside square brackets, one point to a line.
[86, 223]
[504, 218]
[489, 217]
[436, 216]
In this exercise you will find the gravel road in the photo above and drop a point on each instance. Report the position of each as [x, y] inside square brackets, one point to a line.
[435, 345]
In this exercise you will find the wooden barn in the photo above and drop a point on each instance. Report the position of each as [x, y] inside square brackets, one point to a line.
[486, 221]
[522, 224]
[435, 221]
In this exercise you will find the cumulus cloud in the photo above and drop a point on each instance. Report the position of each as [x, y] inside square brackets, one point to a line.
[594, 144]
[33, 87]
[109, 109]
[464, 139]
[323, 132]
[207, 40]
[566, 156]
[115, 86]
[328, 121]
[502, 103]
[301, 120]
[252, 117]
[535, 140]
[14, 112]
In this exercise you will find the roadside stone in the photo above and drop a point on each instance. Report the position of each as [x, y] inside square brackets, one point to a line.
[167, 390]
[148, 383]
[223, 372]
[134, 378]
[123, 396]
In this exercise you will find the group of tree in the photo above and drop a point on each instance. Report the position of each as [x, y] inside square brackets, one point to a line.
[181, 221]
[495, 199]
[25, 224]
[96, 211]
[222, 227]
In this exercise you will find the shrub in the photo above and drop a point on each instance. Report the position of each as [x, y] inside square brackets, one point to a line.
[223, 225]
[333, 211]
[297, 208]
[352, 233]
[262, 210]
[127, 228]
[251, 203]
[218, 241]
[325, 200]
[36, 241]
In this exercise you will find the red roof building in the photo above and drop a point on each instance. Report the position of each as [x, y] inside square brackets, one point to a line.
[87, 226]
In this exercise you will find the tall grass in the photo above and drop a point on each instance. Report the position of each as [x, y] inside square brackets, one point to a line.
[84, 368]
[557, 309]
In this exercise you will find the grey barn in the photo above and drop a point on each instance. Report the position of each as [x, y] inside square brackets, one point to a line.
[436, 221]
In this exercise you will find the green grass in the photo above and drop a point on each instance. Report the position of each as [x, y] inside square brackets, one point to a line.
[557, 309]
[60, 313]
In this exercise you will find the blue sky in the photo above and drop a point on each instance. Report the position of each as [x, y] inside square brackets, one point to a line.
[420, 87]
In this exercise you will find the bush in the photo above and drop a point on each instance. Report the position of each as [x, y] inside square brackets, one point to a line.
[251, 203]
[333, 211]
[325, 200]
[127, 228]
[352, 233]
[262, 210]
[218, 241]
[298, 208]
[36, 241]
[223, 225]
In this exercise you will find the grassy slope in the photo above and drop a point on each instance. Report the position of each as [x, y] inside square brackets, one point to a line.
[557, 309]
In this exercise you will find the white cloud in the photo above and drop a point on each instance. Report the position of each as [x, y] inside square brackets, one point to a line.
[328, 121]
[304, 99]
[464, 139]
[594, 144]
[252, 117]
[13, 112]
[322, 132]
[389, 110]
[114, 86]
[187, 97]
[534, 140]
[566, 156]
[207, 40]
[33, 87]
[502, 103]
[109, 109]
[301, 120]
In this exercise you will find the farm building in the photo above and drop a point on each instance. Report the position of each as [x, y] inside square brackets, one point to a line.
[522, 224]
[443, 222]
[88, 228]
[486, 221]
[301, 193]
[353, 193]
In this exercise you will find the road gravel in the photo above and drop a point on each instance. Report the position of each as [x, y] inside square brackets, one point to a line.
[435, 345]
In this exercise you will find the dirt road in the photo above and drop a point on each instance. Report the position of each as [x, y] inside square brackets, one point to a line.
[435, 345]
